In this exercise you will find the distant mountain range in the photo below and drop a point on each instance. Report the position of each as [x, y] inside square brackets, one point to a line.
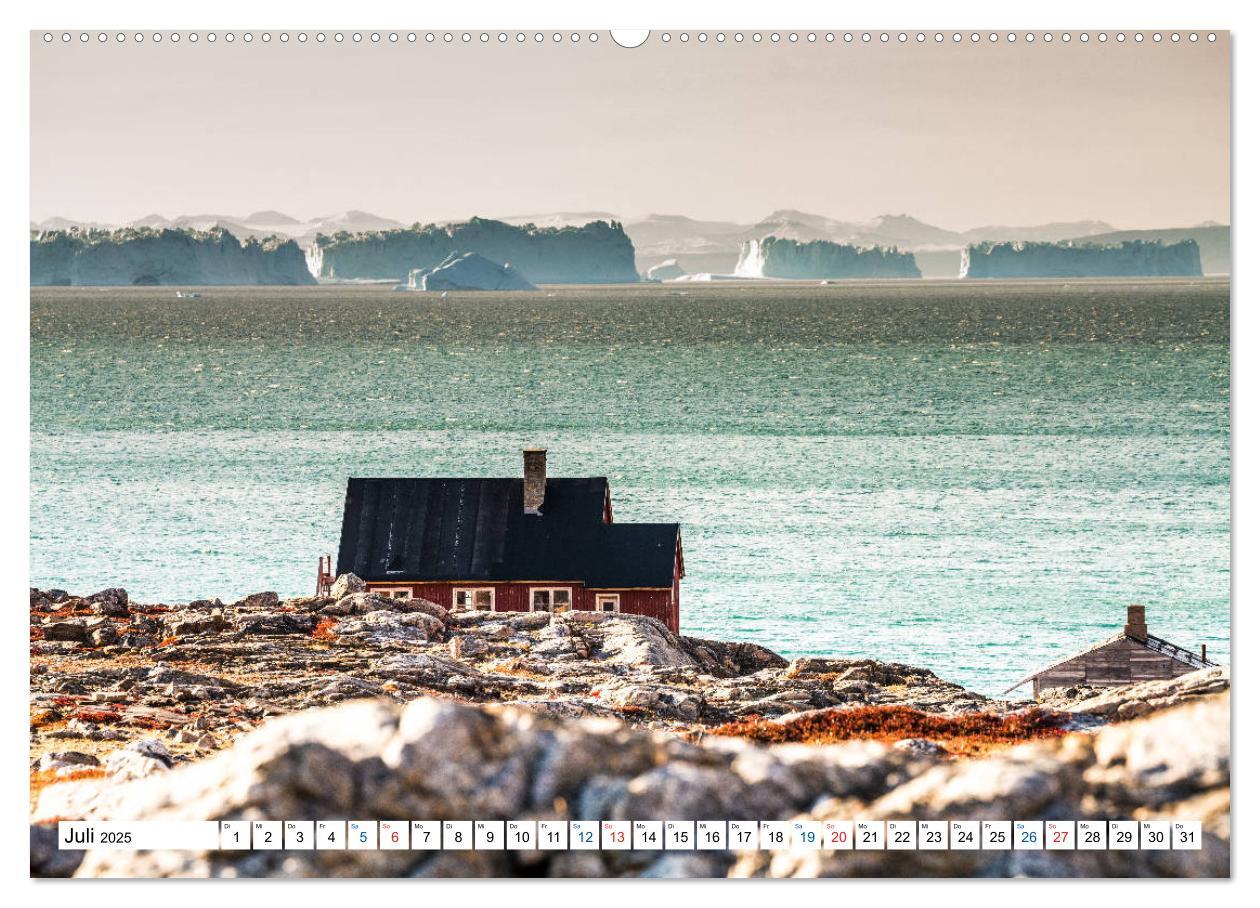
[700, 246]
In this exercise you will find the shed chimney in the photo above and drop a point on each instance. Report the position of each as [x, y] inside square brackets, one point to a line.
[1135, 626]
[535, 479]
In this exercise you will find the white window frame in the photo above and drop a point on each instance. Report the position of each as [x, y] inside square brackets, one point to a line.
[472, 592]
[551, 597]
[393, 592]
[601, 598]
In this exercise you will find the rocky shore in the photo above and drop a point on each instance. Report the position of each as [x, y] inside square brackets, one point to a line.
[213, 710]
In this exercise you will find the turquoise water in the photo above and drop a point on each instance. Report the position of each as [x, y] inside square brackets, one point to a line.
[971, 478]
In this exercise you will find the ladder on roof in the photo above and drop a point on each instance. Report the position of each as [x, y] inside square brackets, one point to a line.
[1160, 645]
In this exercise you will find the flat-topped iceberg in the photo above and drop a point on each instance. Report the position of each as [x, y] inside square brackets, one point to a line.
[598, 252]
[469, 271]
[1134, 258]
[776, 257]
[145, 256]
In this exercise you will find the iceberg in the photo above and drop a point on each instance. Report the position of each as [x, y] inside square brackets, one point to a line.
[147, 256]
[1132, 258]
[469, 271]
[776, 257]
[598, 252]
[668, 270]
[706, 276]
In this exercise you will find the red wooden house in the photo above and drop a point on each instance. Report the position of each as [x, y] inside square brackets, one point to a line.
[508, 545]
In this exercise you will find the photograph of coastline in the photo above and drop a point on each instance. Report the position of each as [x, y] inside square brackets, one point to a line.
[546, 431]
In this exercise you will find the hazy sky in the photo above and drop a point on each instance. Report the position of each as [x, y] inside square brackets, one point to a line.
[957, 135]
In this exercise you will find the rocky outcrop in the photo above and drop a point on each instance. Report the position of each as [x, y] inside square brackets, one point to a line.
[1134, 258]
[599, 252]
[107, 670]
[1172, 766]
[442, 760]
[467, 272]
[144, 256]
[1133, 700]
[776, 257]
[104, 666]
[579, 715]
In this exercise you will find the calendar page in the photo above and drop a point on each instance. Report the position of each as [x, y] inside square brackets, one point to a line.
[556, 452]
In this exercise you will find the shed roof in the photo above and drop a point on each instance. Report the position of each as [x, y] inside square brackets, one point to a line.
[1151, 642]
[477, 530]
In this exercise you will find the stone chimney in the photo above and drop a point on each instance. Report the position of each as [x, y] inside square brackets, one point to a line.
[535, 479]
[1135, 626]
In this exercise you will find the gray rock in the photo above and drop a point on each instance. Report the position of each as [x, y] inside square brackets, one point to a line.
[345, 585]
[265, 600]
[47, 858]
[921, 746]
[1173, 764]
[205, 605]
[277, 624]
[464, 646]
[358, 603]
[529, 621]
[73, 630]
[1134, 700]
[189, 625]
[112, 608]
[390, 627]
[138, 760]
[113, 601]
[437, 758]
[104, 635]
[67, 758]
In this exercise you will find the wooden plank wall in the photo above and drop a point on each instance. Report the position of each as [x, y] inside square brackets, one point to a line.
[1123, 661]
[515, 597]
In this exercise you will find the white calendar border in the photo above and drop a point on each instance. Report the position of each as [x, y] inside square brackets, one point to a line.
[1086, 14]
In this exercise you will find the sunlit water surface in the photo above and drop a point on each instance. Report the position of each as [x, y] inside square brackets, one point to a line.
[975, 478]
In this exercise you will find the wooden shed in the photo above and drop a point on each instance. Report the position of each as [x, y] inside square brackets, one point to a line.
[1132, 655]
[530, 543]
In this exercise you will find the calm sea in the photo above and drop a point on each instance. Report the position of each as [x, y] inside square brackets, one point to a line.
[976, 478]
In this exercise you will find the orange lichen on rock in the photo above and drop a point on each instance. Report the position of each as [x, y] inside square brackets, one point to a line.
[151, 722]
[514, 668]
[46, 719]
[324, 629]
[41, 779]
[966, 734]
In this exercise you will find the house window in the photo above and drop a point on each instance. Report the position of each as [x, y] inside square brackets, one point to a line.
[480, 598]
[607, 602]
[393, 592]
[550, 599]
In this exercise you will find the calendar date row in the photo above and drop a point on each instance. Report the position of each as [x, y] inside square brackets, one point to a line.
[635, 835]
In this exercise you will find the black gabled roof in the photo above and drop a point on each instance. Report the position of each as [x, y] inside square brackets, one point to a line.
[477, 530]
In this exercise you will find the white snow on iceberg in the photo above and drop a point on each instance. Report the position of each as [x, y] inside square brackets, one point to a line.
[469, 271]
[667, 270]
